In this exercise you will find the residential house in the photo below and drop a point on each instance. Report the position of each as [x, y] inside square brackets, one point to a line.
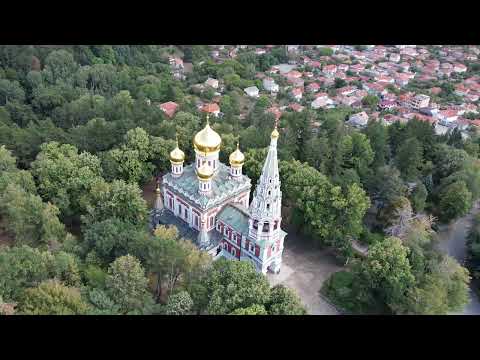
[322, 102]
[448, 116]
[329, 70]
[252, 91]
[459, 68]
[387, 105]
[275, 111]
[346, 90]
[394, 57]
[419, 101]
[293, 74]
[212, 83]
[169, 108]
[296, 93]
[313, 87]
[176, 62]
[358, 120]
[357, 68]
[346, 100]
[296, 107]
[270, 85]
[212, 109]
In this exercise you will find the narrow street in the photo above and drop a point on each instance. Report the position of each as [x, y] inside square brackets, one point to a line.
[453, 241]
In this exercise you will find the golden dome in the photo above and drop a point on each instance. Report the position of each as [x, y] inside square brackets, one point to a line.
[275, 133]
[205, 171]
[207, 140]
[177, 156]
[237, 158]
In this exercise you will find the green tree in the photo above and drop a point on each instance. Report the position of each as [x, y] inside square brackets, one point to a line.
[173, 260]
[387, 272]
[115, 200]
[11, 91]
[371, 101]
[231, 285]
[32, 221]
[410, 159]
[377, 133]
[179, 304]
[112, 238]
[127, 285]
[339, 83]
[455, 201]
[255, 309]
[419, 197]
[64, 176]
[53, 298]
[284, 301]
[59, 66]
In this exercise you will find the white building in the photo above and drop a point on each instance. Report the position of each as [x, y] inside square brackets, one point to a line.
[270, 85]
[419, 101]
[359, 119]
[212, 83]
[252, 91]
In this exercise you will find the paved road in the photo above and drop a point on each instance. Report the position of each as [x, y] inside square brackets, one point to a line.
[453, 242]
[304, 269]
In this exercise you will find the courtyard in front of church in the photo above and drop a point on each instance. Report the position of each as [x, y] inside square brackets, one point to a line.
[304, 269]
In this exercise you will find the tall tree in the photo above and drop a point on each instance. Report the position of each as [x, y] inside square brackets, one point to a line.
[127, 285]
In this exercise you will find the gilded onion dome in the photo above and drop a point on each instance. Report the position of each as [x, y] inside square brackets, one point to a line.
[275, 133]
[237, 158]
[205, 171]
[207, 140]
[177, 156]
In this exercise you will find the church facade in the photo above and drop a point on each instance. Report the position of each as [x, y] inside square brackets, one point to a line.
[209, 202]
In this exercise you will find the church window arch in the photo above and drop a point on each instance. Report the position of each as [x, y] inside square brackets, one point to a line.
[266, 226]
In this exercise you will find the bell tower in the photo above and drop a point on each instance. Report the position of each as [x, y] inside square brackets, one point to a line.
[265, 211]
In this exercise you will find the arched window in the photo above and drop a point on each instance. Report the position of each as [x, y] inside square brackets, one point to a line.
[266, 227]
[255, 224]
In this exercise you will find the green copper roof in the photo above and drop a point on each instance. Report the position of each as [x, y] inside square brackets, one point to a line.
[223, 186]
[236, 217]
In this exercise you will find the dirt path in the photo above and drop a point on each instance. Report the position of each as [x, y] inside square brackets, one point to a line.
[452, 240]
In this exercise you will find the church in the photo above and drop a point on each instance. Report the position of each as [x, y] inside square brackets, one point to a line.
[208, 201]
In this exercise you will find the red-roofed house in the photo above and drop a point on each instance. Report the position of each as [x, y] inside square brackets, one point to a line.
[346, 90]
[296, 107]
[313, 87]
[459, 68]
[387, 104]
[211, 108]
[447, 116]
[329, 69]
[275, 111]
[293, 74]
[296, 93]
[475, 123]
[169, 108]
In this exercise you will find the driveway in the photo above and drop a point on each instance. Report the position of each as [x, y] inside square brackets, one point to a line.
[304, 269]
